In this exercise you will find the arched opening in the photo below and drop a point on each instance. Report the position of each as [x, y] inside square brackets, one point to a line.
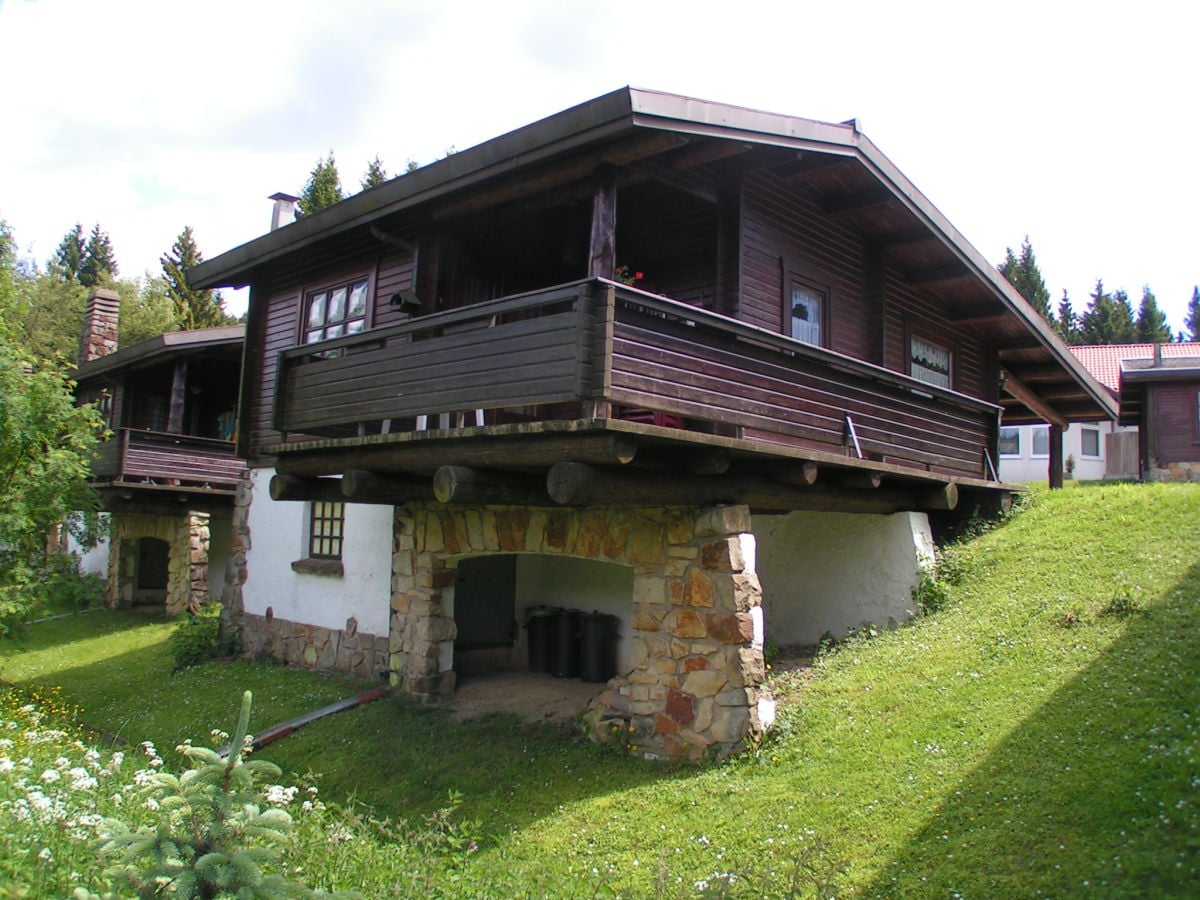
[553, 615]
[151, 571]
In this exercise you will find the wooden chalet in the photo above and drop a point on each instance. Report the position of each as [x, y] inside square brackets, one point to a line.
[168, 467]
[644, 302]
[1161, 396]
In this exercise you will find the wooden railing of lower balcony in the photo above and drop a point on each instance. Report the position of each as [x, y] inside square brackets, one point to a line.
[133, 455]
[601, 342]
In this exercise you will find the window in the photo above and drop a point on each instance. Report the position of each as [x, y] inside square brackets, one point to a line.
[1089, 442]
[1010, 441]
[1198, 417]
[929, 362]
[326, 525]
[1041, 441]
[335, 311]
[806, 313]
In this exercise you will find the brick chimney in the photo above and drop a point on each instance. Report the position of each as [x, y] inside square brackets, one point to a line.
[284, 210]
[100, 322]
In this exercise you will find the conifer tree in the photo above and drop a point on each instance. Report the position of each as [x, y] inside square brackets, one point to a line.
[1023, 273]
[323, 188]
[375, 175]
[1108, 319]
[1152, 327]
[193, 308]
[98, 263]
[1067, 325]
[69, 256]
[1191, 321]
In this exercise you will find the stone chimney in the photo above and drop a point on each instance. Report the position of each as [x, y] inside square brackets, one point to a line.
[100, 322]
[284, 211]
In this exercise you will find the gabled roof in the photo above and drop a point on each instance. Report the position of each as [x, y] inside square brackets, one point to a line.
[1104, 361]
[163, 346]
[840, 167]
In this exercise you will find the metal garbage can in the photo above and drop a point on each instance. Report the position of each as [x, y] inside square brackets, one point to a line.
[564, 644]
[538, 623]
[597, 646]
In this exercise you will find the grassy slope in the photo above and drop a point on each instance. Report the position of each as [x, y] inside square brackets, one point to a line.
[1022, 742]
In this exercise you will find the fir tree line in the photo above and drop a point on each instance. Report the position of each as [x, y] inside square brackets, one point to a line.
[1109, 317]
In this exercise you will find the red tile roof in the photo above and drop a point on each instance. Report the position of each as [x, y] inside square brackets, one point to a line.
[1103, 362]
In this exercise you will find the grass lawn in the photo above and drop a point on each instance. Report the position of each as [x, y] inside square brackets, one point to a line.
[1037, 736]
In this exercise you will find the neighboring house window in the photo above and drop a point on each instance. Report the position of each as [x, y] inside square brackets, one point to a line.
[336, 311]
[327, 522]
[806, 312]
[929, 362]
[1089, 442]
[1041, 441]
[1010, 441]
[1198, 416]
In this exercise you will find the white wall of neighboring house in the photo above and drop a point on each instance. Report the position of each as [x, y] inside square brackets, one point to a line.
[279, 537]
[1025, 455]
[93, 561]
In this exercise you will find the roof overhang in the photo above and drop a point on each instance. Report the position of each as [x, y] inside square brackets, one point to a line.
[161, 347]
[629, 112]
[1138, 374]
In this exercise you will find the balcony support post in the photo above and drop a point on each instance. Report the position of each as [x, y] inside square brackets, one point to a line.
[602, 251]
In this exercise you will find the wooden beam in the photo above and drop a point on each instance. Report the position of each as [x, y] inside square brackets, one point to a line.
[865, 480]
[808, 162]
[852, 203]
[602, 247]
[799, 474]
[1055, 474]
[362, 486]
[524, 451]
[978, 313]
[575, 484]
[178, 397]
[673, 179]
[1018, 389]
[291, 487]
[935, 275]
[711, 151]
[461, 484]
[693, 460]
[903, 238]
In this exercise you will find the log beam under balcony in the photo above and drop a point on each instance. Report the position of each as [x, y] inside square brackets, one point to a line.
[576, 484]
[292, 487]
[462, 484]
[362, 486]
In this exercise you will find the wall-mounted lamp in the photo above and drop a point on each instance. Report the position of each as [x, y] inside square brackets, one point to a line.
[406, 301]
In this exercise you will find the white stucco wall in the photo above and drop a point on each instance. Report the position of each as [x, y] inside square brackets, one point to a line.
[220, 538]
[582, 584]
[95, 560]
[279, 536]
[832, 572]
[1026, 467]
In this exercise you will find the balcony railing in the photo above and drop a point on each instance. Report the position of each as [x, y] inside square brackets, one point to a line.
[135, 456]
[597, 346]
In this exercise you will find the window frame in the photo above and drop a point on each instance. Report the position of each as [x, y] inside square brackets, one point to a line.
[326, 529]
[1038, 430]
[806, 281]
[1083, 432]
[1016, 431]
[328, 288]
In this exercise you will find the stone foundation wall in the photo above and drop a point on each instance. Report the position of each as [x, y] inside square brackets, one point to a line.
[346, 649]
[1175, 471]
[695, 686]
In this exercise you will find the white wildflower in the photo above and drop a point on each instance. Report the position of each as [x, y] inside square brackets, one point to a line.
[50, 776]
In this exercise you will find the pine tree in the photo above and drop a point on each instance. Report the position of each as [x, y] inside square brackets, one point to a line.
[1152, 327]
[324, 188]
[99, 263]
[193, 308]
[1108, 319]
[1067, 325]
[375, 175]
[1023, 273]
[69, 256]
[1191, 321]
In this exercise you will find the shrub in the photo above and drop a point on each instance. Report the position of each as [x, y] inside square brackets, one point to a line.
[198, 638]
[45, 586]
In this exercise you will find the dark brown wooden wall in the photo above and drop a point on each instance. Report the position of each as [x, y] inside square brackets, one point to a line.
[671, 237]
[391, 270]
[784, 230]
[1174, 421]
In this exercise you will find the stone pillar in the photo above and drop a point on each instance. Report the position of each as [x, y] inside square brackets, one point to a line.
[696, 682]
[421, 639]
[232, 606]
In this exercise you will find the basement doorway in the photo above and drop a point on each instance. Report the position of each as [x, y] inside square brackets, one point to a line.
[150, 581]
[501, 601]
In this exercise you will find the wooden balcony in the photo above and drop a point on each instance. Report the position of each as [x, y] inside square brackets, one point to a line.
[591, 352]
[177, 462]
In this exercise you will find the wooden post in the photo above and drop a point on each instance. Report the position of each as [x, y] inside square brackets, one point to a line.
[178, 396]
[602, 250]
[1056, 457]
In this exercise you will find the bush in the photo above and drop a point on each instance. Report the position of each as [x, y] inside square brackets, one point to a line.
[197, 638]
[47, 586]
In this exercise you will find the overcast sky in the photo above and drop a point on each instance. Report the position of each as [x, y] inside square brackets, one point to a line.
[1077, 124]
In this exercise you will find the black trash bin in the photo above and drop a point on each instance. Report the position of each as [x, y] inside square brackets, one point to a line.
[538, 624]
[564, 644]
[597, 646]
